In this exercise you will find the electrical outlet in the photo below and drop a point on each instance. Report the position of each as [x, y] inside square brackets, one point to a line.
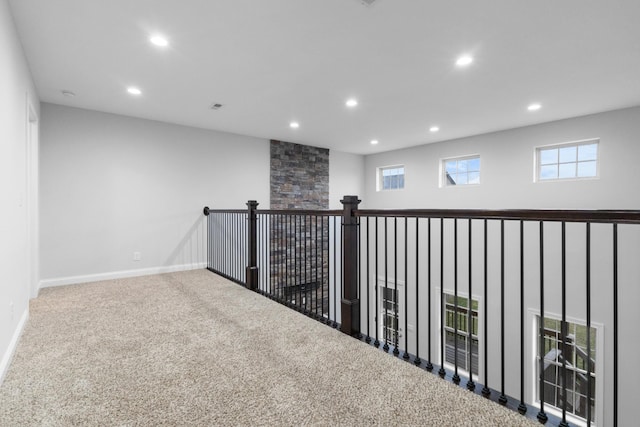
[137, 256]
[11, 309]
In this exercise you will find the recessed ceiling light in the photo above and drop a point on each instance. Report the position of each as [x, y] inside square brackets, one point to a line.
[294, 125]
[68, 93]
[374, 141]
[351, 102]
[434, 129]
[534, 107]
[464, 60]
[159, 40]
[134, 91]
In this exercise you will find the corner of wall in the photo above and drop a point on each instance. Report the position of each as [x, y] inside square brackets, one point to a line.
[7, 357]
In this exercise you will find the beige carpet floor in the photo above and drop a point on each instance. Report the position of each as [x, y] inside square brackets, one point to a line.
[193, 349]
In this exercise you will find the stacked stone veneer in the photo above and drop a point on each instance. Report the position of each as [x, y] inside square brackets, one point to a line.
[299, 176]
[300, 245]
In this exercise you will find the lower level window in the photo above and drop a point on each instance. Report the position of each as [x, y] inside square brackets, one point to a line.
[390, 330]
[467, 345]
[579, 365]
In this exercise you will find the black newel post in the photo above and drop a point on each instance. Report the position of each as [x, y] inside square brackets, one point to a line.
[252, 245]
[350, 302]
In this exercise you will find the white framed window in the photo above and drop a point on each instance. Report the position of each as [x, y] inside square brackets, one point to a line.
[391, 178]
[573, 160]
[392, 311]
[466, 346]
[576, 360]
[460, 171]
[389, 312]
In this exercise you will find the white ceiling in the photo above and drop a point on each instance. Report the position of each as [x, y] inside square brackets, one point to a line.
[276, 61]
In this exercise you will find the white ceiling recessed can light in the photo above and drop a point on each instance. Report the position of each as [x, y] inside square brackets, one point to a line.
[68, 93]
[434, 129]
[159, 40]
[134, 91]
[294, 125]
[534, 107]
[464, 60]
[351, 103]
[374, 142]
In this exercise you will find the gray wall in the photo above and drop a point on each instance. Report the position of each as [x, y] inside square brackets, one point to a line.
[18, 173]
[346, 177]
[507, 182]
[114, 185]
[508, 168]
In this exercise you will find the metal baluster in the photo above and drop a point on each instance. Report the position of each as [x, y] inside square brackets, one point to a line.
[563, 327]
[441, 371]
[322, 268]
[305, 268]
[237, 258]
[236, 255]
[542, 417]
[315, 261]
[486, 391]
[297, 273]
[429, 364]
[456, 377]
[417, 360]
[615, 325]
[588, 276]
[376, 343]
[522, 407]
[385, 347]
[287, 289]
[406, 293]
[335, 296]
[470, 384]
[226, 231]
[360, 271]
[396, 300]
[368, 339]
[502, 399]
[341, 275]
[278, 255]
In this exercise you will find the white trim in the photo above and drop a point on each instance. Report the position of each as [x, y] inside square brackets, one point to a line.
[598, 417]
[62, 281]
[32, 197]
[7, 357]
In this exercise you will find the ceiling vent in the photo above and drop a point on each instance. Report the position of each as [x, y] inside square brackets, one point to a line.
[215, 106]
[368, 2]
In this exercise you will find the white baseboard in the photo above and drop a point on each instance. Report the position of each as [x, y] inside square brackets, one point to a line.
[62, 281]
[7, 357]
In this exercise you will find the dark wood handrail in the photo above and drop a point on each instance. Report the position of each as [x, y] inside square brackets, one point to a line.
[318, 212]
[594, 216]
[578, 215]
[241, 211]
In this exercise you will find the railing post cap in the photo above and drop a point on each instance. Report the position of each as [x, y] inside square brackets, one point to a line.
[252, 203]
[205, 211]
[350, 200]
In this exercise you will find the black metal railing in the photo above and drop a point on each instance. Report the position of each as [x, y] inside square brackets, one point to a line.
[295, 256]
[227, 243]
[501, 302]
